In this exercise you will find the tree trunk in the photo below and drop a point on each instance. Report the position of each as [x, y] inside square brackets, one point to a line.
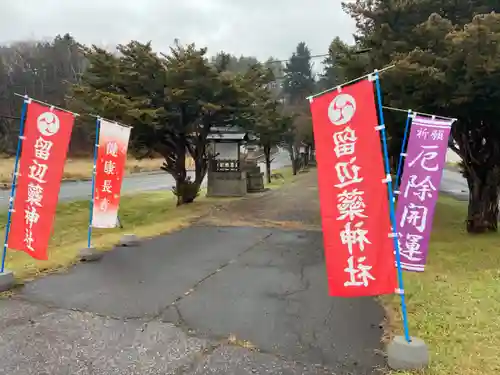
[292, 152]
[201, 168]
[482, 215]
[306, 156]
[267, 155]
[186, 189]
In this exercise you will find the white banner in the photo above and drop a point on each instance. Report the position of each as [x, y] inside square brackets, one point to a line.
[110, 168]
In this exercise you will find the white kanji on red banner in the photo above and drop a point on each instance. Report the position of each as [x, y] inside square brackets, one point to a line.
[45, 144]
[110, 167]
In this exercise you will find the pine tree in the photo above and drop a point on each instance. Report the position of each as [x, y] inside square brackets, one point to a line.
[299, 80]
[447, 61]
[171, 102]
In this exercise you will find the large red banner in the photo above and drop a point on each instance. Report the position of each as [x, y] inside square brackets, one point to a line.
[110, 167]
[359, 250]
[44, 148]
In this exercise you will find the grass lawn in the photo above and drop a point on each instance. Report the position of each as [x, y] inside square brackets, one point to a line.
[286, 173]
[453, 166]
[454, 306]
[76, 169]
[145, 215]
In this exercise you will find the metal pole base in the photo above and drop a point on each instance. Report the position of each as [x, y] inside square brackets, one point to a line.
[90, 254]
[129, 240]
[403, 355]
[6, 280]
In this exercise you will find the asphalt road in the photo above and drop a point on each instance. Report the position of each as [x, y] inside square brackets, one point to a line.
[454, 184]
[140, 182]
[194, 302]
[209, 299]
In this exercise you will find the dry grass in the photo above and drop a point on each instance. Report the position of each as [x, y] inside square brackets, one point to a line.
[455, 304]
[77, 169]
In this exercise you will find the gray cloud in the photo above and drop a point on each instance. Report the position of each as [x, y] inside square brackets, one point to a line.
[249, 27]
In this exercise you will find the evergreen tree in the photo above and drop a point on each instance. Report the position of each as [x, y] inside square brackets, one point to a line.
[448, 64]
[299, 80]
[267, 122]
[343, 63]
[42, 70]
[234, 64]
[172, 102]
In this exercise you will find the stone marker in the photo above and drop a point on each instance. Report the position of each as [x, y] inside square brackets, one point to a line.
[403, 355]
[90, 254]
[129, 240]
[6, 280]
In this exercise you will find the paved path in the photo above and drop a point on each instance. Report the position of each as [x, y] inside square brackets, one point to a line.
[216, 298]
[454, 183]
[140, 182]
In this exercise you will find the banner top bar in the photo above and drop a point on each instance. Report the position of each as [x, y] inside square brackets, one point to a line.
[418, 113]
[375, 72]
[108, 120]
[47, 104]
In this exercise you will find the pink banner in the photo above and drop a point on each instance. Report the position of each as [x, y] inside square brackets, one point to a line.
[425, 160]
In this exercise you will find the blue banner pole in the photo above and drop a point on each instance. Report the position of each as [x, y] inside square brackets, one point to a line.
[383, 132]
[402, 154]
[96, 147]
[14, 180]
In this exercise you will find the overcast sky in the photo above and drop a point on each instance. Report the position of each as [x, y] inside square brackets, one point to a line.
[259, 28]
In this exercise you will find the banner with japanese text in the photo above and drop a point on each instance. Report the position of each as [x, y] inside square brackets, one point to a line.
[110, 167]
[45, 145]
[418, 192]
[359, 250]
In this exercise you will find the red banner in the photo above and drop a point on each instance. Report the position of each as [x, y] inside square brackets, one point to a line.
[110, 167]
[45, 145]
[359, 251]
